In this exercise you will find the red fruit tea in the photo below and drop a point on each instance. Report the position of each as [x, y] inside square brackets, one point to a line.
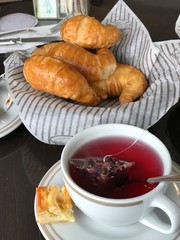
[129, 182]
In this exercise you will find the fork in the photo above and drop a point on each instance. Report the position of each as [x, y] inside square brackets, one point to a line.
[38, 29]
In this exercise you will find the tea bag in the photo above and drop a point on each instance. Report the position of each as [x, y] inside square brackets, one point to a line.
[102, 170]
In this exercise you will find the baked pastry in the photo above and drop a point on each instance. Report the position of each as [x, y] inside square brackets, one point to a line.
[88, 32]
[94, 67]
[127, 82]
[53, 76]
[53, 205]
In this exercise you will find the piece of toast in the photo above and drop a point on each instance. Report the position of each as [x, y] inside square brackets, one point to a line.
[53, 205]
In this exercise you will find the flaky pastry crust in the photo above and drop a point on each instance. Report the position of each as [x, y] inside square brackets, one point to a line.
[127, 82]
[88, 32]
[94, 67]
[53, 205]
[53, 76]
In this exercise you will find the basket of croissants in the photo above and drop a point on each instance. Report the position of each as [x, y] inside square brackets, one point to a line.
[82, 67]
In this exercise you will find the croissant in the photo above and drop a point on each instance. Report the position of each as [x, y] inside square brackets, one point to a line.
[88, 32]
[94, 67]
[127, 82]
[53, 76]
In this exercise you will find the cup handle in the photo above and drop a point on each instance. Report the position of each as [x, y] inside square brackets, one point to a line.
[152, 220]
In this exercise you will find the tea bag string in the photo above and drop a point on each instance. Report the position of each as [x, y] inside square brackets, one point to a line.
[132, 144]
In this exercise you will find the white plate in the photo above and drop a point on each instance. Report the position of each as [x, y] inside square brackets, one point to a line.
[15, 21]
[9, 120]
[85, 228]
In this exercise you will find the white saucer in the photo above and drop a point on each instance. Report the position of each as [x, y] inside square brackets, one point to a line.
[9, 120]
[16, 21]
[85, 228]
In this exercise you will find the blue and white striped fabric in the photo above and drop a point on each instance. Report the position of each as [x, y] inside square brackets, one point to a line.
[54, 120]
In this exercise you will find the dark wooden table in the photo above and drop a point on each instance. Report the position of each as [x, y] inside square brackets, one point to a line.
[24, 159]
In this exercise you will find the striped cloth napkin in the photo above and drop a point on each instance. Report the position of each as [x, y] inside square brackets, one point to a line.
[54, 120]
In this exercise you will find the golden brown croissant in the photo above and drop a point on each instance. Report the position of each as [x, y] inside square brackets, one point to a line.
[88, 32]
[53, 76]
[53, 205]
[127, 82]
[94, 67]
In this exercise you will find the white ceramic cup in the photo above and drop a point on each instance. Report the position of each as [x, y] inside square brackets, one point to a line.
[120, 212]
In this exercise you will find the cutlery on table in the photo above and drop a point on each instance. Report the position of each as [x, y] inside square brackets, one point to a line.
[12, 41]
[42, 31]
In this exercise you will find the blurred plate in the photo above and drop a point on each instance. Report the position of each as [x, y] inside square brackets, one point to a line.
[85, 228]
[9, 119]
[15, 21]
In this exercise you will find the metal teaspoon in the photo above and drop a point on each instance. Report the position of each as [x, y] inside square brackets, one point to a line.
[166, 178]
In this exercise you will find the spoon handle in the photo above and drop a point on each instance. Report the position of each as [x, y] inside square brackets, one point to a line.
[167, 178]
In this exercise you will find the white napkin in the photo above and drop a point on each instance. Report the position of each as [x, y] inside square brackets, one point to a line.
[54, 120]
[25, 34]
